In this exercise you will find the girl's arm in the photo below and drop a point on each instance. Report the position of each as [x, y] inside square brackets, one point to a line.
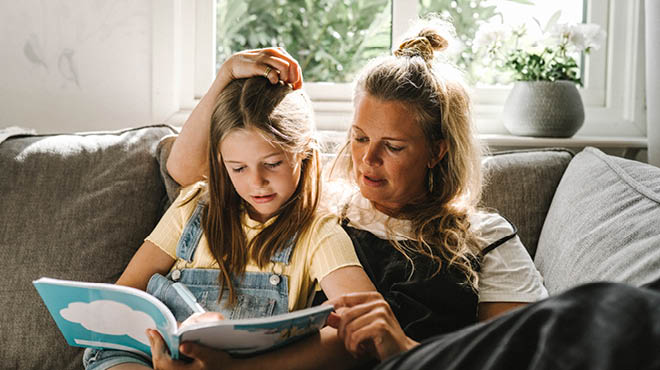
[148, 260]
[346, 280]
[187, 162]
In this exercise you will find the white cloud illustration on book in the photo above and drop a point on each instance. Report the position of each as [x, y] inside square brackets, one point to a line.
[102, 316]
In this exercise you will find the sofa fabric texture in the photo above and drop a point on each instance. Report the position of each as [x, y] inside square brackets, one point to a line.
[73, 207]
[520, 185]
[603, 224]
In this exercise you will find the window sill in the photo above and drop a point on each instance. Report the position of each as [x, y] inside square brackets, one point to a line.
[631, 145]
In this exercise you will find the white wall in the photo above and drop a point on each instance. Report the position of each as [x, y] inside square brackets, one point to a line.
[70, 65]
[653, 80]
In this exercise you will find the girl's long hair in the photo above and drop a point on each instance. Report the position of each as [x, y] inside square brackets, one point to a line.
[285, 118]
[438, 99]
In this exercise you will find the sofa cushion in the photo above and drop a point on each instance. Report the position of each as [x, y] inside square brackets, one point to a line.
[520, 185]
[163, 151]
[602, 224]
[73, 207]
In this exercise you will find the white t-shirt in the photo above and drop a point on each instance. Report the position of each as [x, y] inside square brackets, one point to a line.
[507, 274]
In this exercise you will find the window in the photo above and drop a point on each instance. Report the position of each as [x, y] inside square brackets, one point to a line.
[335, 50]
[331, 39]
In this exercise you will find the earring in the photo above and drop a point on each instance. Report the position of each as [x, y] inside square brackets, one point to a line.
[430, 181]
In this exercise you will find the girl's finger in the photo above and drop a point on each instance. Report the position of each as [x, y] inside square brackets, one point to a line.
[158, 351]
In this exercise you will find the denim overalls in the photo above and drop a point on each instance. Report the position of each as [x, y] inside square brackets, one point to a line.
[258, 294]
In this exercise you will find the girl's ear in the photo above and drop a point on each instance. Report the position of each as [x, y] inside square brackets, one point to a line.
[439, 152]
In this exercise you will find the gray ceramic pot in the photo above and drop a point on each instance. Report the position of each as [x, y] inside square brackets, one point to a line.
[543, 108]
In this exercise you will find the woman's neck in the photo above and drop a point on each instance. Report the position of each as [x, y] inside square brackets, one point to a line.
[392, 212]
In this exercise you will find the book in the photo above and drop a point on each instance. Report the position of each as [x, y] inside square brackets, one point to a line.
[110, 316]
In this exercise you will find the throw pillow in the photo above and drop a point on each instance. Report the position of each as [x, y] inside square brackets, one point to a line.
[602, 224]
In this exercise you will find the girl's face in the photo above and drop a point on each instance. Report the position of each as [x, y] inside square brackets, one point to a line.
[263, 175]
[390, 154]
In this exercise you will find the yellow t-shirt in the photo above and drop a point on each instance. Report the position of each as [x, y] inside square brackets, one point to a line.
[322, 249]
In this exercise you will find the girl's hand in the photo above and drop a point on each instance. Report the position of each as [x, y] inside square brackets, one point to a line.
[366, 323]
[203, 358]
[273, 63]
[197, 318]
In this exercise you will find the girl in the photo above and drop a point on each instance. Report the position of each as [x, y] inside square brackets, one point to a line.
[248, 242]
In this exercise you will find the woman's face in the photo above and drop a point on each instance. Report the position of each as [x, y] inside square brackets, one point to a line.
[389, 152]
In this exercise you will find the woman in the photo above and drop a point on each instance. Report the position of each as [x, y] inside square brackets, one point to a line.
[438, 262]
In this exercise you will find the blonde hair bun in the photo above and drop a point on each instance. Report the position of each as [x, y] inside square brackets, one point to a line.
[424, 45]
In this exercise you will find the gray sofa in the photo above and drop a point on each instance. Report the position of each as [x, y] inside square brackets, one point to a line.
[78, 206]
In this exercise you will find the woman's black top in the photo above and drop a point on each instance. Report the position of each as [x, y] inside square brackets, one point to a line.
[423, 303]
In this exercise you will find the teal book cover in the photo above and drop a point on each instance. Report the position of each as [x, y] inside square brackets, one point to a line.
[112, 316]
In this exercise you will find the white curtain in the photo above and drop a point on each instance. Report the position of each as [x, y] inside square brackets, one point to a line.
[652, 21]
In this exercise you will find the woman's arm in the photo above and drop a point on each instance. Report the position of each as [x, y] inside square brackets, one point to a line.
[489, 310]
[148, 260]
[187, 162]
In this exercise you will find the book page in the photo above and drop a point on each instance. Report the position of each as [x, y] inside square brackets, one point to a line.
[252, 336]
[106, 315]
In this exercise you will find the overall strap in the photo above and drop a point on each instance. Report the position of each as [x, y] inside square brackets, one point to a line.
[343, 219]
[192, 233]
[284, 254]
[501, 241]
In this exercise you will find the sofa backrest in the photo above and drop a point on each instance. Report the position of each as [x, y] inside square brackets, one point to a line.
[520, 185]
[73, 207]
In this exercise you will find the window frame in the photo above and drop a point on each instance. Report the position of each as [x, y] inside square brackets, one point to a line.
[613, 93]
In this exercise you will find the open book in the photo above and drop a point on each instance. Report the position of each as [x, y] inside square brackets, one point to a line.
[113, 316]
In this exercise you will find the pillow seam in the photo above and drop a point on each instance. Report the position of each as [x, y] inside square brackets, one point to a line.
[625, 177]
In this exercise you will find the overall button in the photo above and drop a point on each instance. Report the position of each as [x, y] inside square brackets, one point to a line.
[176, 275]
[274, 279]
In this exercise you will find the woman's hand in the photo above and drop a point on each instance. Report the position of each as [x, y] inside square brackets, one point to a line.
[187, 162]
[273, 63]
[203, 358]
[366, 323]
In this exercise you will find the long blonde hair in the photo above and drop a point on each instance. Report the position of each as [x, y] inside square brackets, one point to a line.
[436, 94]
[285, 118]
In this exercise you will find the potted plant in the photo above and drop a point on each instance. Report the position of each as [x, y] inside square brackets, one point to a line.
[544, 100]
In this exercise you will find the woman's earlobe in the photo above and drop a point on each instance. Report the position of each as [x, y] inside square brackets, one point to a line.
[440, 150]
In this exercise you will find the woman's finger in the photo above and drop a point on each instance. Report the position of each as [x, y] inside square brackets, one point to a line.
[353, 299]
[376, 336]
[247, 64]
[362, 312]
[275, 64]
[374, 317]
[295, 72]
